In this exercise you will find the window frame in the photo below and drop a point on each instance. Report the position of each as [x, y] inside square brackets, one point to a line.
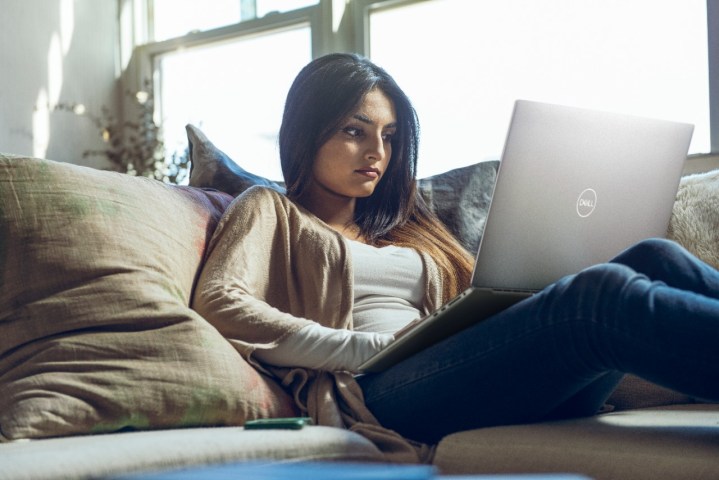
[145, 56]
[336, 26]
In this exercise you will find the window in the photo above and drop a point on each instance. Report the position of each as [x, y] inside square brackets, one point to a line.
[226, 65]
[235, 92]
[608, 54]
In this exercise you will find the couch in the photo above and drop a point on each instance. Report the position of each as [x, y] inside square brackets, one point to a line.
[105, 368]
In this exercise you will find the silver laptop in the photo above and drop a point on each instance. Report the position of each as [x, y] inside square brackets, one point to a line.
[574, 188]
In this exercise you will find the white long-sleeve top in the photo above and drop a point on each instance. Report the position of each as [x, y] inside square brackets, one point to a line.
[388, 293]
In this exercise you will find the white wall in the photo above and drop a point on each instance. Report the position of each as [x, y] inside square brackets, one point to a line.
[56, 51]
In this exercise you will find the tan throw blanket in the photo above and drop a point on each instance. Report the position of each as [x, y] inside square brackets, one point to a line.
[273, 268]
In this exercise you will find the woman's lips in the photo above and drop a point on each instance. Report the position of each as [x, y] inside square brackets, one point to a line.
[368, 172]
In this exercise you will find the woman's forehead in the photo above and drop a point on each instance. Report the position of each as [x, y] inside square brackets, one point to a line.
[375, 107]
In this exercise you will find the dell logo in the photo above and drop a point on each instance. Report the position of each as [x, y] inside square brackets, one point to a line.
[586, 202]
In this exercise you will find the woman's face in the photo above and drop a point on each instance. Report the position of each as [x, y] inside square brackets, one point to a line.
[353, 160]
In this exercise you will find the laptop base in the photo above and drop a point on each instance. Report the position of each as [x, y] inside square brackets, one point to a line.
[466, 309]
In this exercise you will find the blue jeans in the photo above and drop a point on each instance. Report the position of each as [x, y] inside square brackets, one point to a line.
[653, 311]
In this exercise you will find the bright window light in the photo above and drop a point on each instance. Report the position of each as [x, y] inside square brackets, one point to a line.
[265, 7]
[235, 92]
[175, 18]
[464, 62]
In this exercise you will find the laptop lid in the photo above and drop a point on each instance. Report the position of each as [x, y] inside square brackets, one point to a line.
[574, 188]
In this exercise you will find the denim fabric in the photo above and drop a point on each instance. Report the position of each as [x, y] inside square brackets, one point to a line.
[653, 311]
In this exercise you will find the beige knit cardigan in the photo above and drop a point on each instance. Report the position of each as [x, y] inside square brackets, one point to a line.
[272, 268]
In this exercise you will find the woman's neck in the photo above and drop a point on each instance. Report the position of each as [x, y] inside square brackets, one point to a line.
[335, 210]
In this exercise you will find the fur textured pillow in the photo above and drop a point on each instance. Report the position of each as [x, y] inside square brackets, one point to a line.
[695, 219]
[96, 274]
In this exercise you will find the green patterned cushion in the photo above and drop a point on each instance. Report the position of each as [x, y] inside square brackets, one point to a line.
[96, 273]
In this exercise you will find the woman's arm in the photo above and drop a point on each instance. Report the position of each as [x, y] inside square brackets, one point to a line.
[270, 268]
[322, 348]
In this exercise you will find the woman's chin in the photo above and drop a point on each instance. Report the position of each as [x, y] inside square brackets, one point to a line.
[367, 193]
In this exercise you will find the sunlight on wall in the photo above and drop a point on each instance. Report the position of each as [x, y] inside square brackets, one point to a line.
[49, 95]
[41, 125]
[47, 98]
[55, 58]
[127, 34]
[67, 24]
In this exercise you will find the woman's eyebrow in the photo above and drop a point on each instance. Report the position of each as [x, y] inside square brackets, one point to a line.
[365, 119]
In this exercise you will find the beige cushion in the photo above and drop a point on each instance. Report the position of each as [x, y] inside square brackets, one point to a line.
[635, 392]
[102, 455]
[96, 272]
[676, 442]
[696, 216]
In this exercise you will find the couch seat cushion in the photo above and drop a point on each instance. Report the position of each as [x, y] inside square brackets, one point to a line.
[675, 442]
[93, 456]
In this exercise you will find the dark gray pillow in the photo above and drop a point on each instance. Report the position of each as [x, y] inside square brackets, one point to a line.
[459, 197]
[210, 167]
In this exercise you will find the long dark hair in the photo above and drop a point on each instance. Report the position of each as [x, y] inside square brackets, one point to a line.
[322, 96]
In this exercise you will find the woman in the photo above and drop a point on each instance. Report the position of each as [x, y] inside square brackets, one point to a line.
[309, 285]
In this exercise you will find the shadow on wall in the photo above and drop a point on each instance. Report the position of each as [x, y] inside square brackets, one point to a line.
[65, 52]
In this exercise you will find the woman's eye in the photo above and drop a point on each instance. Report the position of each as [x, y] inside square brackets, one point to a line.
[388, 136]
[352, 131]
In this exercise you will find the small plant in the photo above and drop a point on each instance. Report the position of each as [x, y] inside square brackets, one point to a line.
[134, 146]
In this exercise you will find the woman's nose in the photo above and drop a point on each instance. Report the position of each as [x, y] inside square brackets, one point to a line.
[376, 150]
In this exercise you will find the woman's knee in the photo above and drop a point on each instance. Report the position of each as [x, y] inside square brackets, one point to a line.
[648, 252]
[597, 282]
[591, 294]
[606, 273]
